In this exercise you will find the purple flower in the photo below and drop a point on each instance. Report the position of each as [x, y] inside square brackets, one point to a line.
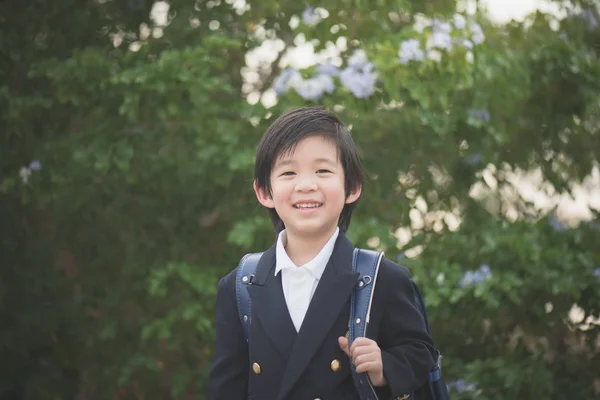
[313, 88]
[466, 43]
[35, 165]
[288, 78]
[474, 159]
[360, 83]
[440, 40]
[459, 21]
[589, 16]
[485, 269]
[439, 26]
[358, 59]
[461, 386]
[360, 75]
[478, 37]
[328, 69]
[481, 115]
[309, 17]
[410, 50]
[556, 225]
[597, 272]
[471, 278]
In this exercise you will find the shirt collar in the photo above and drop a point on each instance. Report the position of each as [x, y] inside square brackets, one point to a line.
[316, 266]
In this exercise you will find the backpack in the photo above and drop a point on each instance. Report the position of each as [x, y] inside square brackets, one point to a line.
[366, 263]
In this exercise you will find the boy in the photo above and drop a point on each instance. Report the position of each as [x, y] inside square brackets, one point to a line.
[308, 175]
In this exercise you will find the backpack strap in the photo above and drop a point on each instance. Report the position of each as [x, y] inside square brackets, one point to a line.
[244, 276]
[366, 263]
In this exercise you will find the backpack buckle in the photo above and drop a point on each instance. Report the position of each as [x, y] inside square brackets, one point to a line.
[248, 279]
[364, 281]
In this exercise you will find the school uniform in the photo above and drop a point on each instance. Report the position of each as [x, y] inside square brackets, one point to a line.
[286, 363]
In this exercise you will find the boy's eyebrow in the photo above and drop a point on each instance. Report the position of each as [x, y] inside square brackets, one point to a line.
[326, 161]
[289, 161]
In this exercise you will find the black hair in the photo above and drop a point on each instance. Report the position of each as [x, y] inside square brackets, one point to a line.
[284, 134]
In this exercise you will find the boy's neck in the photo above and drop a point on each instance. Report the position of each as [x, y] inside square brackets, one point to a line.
[301, 249]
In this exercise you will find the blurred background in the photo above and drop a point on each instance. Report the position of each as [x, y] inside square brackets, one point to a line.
[128, 137]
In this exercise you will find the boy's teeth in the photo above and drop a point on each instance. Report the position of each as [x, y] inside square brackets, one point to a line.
[314, 205]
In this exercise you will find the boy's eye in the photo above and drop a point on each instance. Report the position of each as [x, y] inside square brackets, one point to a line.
[287, 173]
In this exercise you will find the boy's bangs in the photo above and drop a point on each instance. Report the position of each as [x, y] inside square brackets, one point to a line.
[287, 149]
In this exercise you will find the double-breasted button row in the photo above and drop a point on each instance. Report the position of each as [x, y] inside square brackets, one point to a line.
[335, 367]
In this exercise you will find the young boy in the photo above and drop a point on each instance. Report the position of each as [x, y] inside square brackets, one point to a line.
[308, 175]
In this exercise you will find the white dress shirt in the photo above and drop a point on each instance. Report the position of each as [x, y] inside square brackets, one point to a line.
[299, 283]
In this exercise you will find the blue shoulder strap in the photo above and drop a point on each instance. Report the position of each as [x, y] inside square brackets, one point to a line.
[244, 277]
[366, 263]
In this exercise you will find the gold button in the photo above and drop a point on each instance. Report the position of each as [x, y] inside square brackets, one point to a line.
[404, 397]
[335, 365]
[256, 368]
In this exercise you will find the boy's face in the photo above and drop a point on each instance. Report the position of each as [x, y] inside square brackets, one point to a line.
[307, 188]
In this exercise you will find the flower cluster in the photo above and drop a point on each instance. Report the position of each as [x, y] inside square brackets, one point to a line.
[461, 386]
[310, 16]
[597, 272]
[442, 39]
[359, 77]
[471, 278]
[410, 49]
[25, 172]
[556, 225]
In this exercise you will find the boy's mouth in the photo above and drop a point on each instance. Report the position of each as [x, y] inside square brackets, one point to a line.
[304, 206]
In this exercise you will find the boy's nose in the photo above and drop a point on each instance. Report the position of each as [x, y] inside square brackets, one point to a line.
[306, 185]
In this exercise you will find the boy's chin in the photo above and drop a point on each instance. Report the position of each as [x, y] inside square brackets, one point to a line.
[311, 231]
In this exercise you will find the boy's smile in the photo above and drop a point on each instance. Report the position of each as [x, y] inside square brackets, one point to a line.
[307, 189]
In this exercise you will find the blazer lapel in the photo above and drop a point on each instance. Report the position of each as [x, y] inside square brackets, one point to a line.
[269, 306]
[332, 293]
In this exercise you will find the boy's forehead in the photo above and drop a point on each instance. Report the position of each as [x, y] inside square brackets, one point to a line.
[288, 155]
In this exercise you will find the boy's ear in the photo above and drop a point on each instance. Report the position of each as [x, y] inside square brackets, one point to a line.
[263, 197]
[354, 194]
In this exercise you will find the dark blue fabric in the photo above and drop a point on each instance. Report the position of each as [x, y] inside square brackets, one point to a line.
[366, 263]
[245, 274]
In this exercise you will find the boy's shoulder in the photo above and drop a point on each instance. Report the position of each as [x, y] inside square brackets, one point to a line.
[393, 277]
[393, 270]
[229, 279]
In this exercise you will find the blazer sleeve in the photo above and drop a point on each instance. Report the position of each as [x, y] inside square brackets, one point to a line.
[407, 350]
[229, 374]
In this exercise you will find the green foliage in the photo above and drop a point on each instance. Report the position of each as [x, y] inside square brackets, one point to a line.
[112, 246]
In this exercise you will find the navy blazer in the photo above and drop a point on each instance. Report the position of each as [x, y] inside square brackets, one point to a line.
[282, 364]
